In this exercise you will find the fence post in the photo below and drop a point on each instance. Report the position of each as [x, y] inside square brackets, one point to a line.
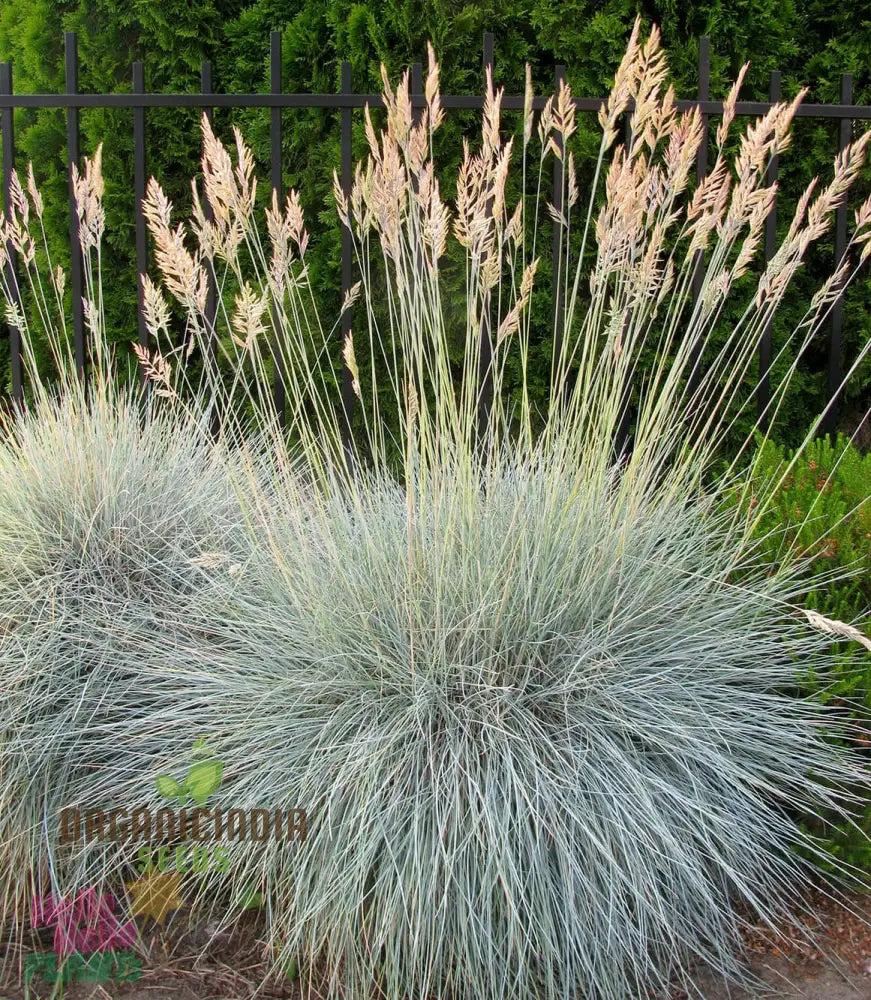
[275, 136]
[701, 172]
[835, 373]
[485, 373]
[347, 261]
[71, 60]
[139, 169]
[763, 392]
[7, 126]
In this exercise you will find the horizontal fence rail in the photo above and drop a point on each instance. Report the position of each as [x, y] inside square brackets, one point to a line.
[471, 102]
[346, 101]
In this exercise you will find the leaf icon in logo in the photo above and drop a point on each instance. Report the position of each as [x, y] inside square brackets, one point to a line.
[203, 778]
[201, 748]
[169, 788]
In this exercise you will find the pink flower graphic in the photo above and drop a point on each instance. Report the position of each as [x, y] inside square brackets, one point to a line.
[84, 924]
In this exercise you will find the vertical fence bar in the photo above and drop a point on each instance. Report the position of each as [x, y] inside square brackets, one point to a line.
[702, 154]
[211, 303]
[622, 436]
[7, 126]
[275, 115]
[71, 60]
[141, 233]
[211, 299]
[417, 101]
[559, 79]
[275, 136]
[347, 262]
[835, 370]
[488, 51]
[416, 92]
[763, 391]
[701, 173]
[485, 373]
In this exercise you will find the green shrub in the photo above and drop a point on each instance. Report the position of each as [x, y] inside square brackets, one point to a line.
[819, 513]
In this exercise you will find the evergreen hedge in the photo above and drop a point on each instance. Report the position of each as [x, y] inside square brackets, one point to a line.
[811, 43]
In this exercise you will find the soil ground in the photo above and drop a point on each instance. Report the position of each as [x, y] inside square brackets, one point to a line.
[837, 966]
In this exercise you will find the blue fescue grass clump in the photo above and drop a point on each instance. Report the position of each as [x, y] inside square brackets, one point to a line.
[111, 514]
[544, 753]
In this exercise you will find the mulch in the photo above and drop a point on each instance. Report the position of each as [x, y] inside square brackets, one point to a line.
[190, 962]
[840, 930]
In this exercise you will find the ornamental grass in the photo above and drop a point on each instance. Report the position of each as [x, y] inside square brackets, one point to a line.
[535, 685]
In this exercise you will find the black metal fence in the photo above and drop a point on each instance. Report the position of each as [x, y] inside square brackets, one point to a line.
[346, 101]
